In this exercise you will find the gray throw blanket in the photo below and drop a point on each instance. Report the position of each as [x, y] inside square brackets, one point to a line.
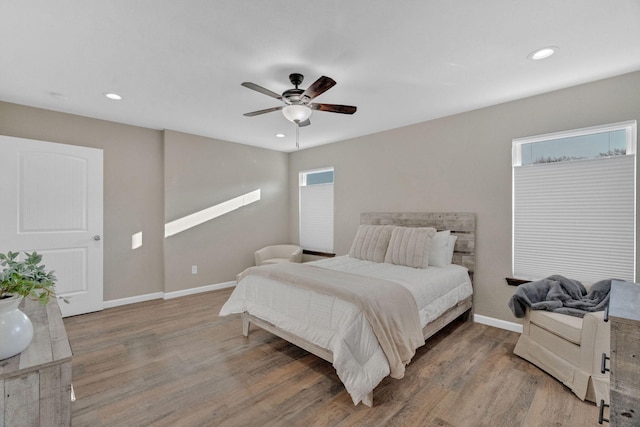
[560, 295]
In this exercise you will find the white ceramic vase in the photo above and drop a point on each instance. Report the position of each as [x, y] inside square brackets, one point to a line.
[16, 330]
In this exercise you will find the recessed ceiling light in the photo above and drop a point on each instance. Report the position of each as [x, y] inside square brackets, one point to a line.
[280, 135]
[543, 53]
[113, 96]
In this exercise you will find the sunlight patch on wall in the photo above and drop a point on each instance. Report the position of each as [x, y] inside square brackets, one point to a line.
[136, 240]
[182, 224]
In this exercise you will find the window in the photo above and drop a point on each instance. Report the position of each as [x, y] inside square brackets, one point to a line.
[316, 210]
[574, 204]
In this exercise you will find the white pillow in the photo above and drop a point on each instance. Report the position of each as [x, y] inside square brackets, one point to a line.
[410, 246]
[439, 250]
[370, 243]
[450, 247]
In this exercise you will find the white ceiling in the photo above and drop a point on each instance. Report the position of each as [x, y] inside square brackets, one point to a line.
[179, 64]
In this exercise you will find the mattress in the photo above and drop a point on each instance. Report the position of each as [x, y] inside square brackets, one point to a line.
[340, 326]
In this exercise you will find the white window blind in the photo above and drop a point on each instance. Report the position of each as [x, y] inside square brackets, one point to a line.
[575, 218]
[316, 214]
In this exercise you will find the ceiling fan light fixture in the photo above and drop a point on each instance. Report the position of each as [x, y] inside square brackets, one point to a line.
[296, 113]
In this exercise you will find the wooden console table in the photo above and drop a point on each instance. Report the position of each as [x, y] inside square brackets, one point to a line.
[625, 354]
[36, 384]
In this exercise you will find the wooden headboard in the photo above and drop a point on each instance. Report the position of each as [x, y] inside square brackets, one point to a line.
[461, 224]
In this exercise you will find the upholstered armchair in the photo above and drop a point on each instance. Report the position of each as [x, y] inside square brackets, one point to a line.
[570, 349]
[278, 253]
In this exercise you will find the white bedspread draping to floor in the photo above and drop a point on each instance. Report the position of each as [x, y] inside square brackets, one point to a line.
[340, 326]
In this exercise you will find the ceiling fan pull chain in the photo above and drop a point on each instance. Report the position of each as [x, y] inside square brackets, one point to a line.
[297, 136]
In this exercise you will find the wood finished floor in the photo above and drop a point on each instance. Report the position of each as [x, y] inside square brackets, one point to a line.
[176, 363]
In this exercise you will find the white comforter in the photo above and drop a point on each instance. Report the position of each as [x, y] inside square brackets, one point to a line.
[338, 325]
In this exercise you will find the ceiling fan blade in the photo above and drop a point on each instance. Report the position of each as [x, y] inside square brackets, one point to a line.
[261, 90]
[333, 108]
[305, 123]
[319, 87]
[268, 110]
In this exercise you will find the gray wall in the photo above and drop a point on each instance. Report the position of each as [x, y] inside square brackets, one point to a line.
[202, 172]
[458, 163]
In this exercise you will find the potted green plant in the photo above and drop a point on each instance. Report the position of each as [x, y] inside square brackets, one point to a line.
[26, 278]
[20, 278]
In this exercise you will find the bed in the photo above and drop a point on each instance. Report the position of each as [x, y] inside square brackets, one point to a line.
[367, 312]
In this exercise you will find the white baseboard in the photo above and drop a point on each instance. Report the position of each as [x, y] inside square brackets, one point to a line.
[207, 288]
[132, 300]
[502, 324]
[167, 295]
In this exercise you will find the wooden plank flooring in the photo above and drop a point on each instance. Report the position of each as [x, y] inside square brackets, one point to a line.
[176, 363]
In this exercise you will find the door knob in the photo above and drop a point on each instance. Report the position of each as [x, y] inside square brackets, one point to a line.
[96, 237]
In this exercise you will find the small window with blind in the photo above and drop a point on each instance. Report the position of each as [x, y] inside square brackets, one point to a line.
[316, 210]
[574, 204]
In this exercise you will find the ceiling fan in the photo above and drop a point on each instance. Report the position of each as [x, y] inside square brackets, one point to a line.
[297, 102]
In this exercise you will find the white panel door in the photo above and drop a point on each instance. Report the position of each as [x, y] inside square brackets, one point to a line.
[51, 202]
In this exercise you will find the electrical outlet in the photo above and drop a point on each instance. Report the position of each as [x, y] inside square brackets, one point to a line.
[194, 269]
